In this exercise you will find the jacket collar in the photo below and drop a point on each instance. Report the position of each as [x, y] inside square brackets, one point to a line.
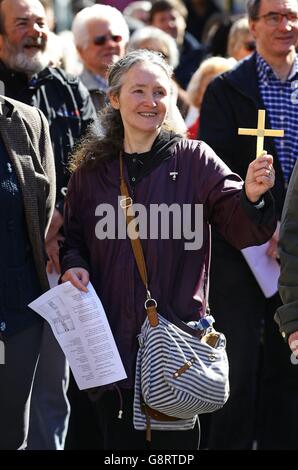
[164, 150]
[20, 150]
[9, 75]
[15, 137]
[244, 78]
[147, 162]
[6, 109]
[93, 82]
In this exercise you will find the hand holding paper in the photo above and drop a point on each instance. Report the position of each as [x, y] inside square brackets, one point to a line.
[80, 325]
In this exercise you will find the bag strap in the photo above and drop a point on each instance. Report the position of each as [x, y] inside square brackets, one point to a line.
[126, 204]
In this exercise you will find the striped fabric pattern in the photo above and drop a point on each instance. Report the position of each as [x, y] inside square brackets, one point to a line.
[281, 102]
[201, 388]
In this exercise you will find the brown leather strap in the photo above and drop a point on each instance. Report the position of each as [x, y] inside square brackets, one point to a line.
[148, 428]
[157, 415]
[126, 203]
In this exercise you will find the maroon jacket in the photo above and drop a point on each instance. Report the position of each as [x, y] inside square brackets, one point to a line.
[178, 279]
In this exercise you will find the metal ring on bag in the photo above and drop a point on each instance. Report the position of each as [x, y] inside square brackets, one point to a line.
[212, 357]
[150, 300]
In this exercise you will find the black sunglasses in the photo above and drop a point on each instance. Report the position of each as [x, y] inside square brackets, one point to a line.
[101, 40]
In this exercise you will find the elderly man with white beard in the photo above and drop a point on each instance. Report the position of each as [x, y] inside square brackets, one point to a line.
[26, 76]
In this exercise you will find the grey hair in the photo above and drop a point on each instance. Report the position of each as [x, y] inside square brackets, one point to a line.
[123, 65]
[99, 12]
[104, 141]
[253, 8]
[151, 32]
[137, 5]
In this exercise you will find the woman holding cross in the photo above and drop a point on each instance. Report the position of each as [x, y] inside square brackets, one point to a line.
[137, 143]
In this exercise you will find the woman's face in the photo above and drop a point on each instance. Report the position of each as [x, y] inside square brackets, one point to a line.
[144, 98]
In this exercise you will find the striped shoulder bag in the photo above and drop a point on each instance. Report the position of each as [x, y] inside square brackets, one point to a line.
[181, 371]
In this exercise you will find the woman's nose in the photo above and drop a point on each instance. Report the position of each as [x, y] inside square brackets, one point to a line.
[150, 100]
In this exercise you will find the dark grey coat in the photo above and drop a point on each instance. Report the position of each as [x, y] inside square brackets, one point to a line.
[287, 315]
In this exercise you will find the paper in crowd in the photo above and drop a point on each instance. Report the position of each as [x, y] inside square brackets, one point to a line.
[53, 278]
[80, 325]
[265, 269]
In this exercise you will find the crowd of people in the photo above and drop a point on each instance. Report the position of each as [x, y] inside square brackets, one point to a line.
[161, 88]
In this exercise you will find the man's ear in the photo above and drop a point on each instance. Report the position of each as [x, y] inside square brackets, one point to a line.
[252, 28]
[79, 50]
[114, 100]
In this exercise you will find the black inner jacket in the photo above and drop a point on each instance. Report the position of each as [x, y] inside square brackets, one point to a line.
[140, 165]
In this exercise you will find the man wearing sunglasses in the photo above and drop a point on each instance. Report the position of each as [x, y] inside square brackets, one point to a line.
[268, 79]
[100, 34]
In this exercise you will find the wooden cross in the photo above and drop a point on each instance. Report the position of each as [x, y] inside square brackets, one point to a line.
[261, 132]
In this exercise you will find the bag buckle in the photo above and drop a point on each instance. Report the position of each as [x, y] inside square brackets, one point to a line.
[150, 307]
[148, 300]
[126, 202]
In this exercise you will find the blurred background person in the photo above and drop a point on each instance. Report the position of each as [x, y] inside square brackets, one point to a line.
[119, 4]
[70, 59]
[153, 39]
[241, 42]
[170, 16]
[199, 11]
[78, 5]
[140, 10]
[197, 86]
[49, 8]
[100, 35]
[216, 33]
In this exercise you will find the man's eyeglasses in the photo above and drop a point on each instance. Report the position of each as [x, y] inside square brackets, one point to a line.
[275, 19]
[101, 40]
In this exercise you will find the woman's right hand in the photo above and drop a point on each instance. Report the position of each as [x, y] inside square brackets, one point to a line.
[79, 277]
[293, 342]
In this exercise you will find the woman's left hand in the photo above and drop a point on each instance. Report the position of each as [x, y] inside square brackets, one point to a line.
[260, 177]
